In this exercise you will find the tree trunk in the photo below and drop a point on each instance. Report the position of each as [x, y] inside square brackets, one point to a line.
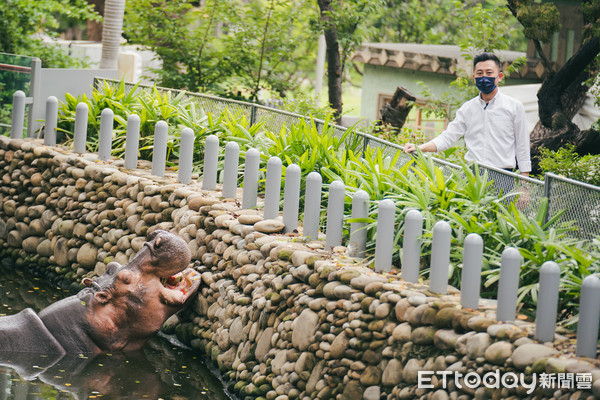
[395, 112]
[111, 33]
[94, 28]
[560, 97]
[334, 65]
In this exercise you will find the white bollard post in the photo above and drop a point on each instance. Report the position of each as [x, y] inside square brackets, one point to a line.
[106, 131]
[384, 244]
[211, 159]
[251, 179]
[159, 153]
[291, 197]
[132, 141]
[335, 215]
[589, 316]
[230, 175]
[18, 115]
[411, 246]
[358, 231]
[440, 257]
[508, 286]
[547, 304]
[80, 129]
[471, 271]
[186, 156]
[272, 188]
[51, 121]
[312, 205]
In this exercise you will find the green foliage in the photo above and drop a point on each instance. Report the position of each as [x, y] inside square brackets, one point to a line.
[21, 19]
[484, 28]
[566, 162]
[230, 48]
[302, 104]
[539, 19]
[446, 22]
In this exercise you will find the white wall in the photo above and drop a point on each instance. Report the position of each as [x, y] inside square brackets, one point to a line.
[58, 81]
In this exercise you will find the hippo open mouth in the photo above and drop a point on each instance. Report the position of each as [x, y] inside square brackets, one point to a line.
[182, 281]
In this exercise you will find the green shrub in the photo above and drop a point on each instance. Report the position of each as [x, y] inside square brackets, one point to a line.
[566, 162]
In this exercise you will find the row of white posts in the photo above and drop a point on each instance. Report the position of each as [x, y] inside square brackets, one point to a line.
[546, 313]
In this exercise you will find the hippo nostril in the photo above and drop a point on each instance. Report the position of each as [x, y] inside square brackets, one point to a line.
[150, 247]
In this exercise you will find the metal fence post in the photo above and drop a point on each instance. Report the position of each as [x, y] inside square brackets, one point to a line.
[51, 121]
[291, 197]
[384, 244]
[132, 141]
[471, 272]
[250, 179]
[358, 231]
[106, 131]
[35, 112]
[80, 129]
[508, 285]
[252, 114]
[272, 188]
[230, 173]
[18, 115]
[411, 246]
[547, 304]
[186, 156]
[547, 193]
[211, 159]
[159, 153]
[589, 316]
[440, 257]
[312, 205]
[335, 215]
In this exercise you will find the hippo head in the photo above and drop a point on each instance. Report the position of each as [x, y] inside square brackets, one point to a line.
[170, 254]
[129, 303]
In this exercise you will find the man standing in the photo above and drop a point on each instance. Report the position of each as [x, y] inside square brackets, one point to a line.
[493, 125]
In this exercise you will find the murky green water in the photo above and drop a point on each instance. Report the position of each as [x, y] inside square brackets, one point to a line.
[160, 371]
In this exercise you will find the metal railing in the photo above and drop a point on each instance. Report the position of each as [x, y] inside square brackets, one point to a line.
[16, 73]
[579, 201]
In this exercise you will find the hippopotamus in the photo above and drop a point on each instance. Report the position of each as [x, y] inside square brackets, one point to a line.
[117, 311]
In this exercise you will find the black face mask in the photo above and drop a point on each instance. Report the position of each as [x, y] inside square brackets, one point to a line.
[486, 84]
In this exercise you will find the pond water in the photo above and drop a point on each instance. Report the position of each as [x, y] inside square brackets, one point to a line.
[161, 370]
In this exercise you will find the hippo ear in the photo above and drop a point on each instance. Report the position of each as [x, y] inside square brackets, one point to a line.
[87, 282]
[102, 297]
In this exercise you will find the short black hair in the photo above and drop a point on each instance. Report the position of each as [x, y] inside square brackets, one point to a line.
[485, 57]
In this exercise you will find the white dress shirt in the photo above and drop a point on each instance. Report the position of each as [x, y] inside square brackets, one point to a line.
[495, 133]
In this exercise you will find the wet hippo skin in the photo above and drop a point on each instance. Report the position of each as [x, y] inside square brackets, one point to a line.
[118, 311]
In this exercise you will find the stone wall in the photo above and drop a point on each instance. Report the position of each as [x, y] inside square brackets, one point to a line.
[282, 317]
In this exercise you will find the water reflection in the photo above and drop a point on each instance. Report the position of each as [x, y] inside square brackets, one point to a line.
[159, 370]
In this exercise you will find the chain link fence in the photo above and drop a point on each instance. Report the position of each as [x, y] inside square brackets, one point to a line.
[579, 201]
